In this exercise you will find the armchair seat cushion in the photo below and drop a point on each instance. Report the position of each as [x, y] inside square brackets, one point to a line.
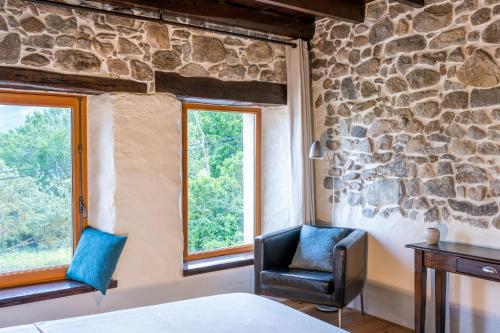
[306, 280]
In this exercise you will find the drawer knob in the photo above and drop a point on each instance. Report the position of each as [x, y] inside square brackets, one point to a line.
[490, 270]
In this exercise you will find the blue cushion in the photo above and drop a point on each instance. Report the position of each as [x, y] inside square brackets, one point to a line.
[95, 258]
[315, 248]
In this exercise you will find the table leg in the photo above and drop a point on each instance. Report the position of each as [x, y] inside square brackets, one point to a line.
[440, 296]
[420, 291]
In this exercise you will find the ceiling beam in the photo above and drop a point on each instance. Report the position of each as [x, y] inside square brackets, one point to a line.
[413, 3]
[346, 10]
[229, 14]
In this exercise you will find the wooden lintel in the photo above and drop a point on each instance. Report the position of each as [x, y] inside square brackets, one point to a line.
[346, 10]
[35, 79]
[211, 88]
[413, 3]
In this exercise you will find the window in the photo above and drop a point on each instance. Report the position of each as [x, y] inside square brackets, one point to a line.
[42, 185]
[221, 179]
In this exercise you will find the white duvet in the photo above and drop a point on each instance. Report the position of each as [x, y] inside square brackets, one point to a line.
[227, 313]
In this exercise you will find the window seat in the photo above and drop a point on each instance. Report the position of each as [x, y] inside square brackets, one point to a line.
[45, 291]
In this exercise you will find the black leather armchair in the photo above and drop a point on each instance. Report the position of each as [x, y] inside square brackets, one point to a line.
[274, 253]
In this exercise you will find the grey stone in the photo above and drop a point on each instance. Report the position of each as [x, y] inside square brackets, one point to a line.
[341, 31]
[166, 60]
[358, 132]
[325, 46]
[35, 59]
[441, 187]
[444, 168]
[462, 147]
[3, 24]
[76, 60]
[339, 70]
[421, 78]
[381, 126]
[141, 71]
[492, 33]
[157, 35]
[348, 89]
[477, 193]
[371, 212]
[485, 97]
[433, 18]
[193, 70]
[259, 53]
[448, 38]
[208, 49]
[431, 215]
[488, 148]
[383, 192]
[396, 85]
[457, 55]
[495, 222]
[237, 72]
[428, 109]
[468, 173]
[480, 70]
[381, 31]
[476, 133]
[384, 142]
[368, 68]
[404, 63]
[481, 16]
[457, 100]
[489, 209]
[406, 44]
[354, 199]
[56, 22]
[10, 49]
[67, 41]
[40, 41]
[495, 187]
[368, 89]
[126, 47]
[32, 25]
[117, 66]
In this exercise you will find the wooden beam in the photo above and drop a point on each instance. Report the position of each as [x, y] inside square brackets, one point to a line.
[211, 88]
[346, 10]
[230, 14]
[34, 79]
[413, 3]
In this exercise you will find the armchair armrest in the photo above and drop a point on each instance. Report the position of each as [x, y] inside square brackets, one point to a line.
[350, 267]
[275, 249]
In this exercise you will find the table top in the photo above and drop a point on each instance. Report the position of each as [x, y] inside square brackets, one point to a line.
[458, 249]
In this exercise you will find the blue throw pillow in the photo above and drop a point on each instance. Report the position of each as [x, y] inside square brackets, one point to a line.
[95, 258]
[315, 248]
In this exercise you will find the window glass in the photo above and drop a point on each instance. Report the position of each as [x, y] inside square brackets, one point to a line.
[221, 148]
[35, 187]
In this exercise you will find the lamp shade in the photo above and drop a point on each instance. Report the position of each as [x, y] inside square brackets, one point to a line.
[316, 151]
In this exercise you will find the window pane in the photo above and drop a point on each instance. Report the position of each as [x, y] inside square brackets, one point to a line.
[221, 179]
[35, 187]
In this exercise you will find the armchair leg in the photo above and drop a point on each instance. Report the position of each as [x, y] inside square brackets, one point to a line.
[340, 318]
[362, 304]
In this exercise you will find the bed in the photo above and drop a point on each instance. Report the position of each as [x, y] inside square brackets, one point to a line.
[242, 313]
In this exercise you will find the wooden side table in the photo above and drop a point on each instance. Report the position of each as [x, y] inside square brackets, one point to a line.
[475, 261]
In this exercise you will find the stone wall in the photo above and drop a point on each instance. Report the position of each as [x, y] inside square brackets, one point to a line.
[408, 106]
[74, 41]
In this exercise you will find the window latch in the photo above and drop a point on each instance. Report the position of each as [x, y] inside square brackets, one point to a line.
[83, 208]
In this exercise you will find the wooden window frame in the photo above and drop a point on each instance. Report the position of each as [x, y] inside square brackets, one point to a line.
[258, 185]
[79, 172]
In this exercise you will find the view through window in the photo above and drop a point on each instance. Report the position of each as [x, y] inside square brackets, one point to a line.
[221, 171]
[36, 185]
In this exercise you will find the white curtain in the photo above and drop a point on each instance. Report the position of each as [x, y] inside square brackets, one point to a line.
[301, 136]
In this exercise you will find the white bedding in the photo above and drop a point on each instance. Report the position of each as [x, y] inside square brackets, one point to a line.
[243, 313]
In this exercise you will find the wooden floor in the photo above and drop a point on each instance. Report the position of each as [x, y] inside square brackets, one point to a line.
[352, 320]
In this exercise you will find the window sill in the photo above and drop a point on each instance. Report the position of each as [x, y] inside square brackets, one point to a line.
[207, 265]
[45, 291]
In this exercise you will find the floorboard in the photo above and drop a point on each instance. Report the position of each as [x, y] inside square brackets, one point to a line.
[352, 320]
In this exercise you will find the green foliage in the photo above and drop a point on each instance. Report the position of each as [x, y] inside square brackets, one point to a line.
[215, 183]
[35, 188]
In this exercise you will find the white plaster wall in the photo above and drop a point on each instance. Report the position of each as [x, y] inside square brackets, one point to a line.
[134, 188]
[474, 305]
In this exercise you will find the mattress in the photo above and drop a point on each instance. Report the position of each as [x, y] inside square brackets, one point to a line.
[226, 313]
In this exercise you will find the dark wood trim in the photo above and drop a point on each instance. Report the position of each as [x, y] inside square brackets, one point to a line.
[207, 87]
[413, 3]
[440, 297]
[347, 10]
[231, 15]
[45, 291]
[213, 264]
[35, 79]
[420, 291]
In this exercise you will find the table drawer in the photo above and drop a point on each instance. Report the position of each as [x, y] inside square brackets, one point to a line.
[478, 268]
